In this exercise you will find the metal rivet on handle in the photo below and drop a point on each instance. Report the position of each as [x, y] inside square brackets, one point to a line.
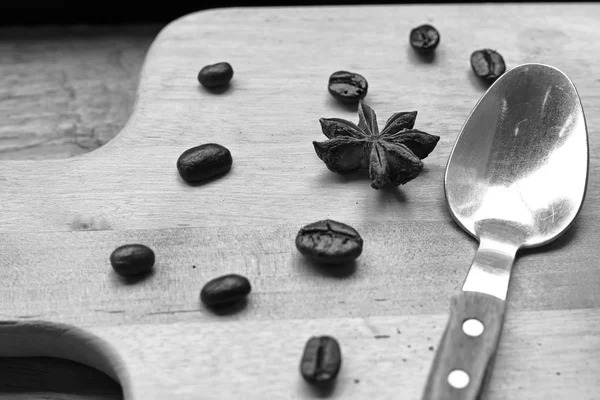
[473, 327]
[458, 379]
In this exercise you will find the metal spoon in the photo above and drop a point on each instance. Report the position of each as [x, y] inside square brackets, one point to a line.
[516, 178]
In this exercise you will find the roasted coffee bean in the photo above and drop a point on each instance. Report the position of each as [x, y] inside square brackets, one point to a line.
[225, 290]
[204, 162]
[321, 360]
[487, 64]
[424, 38]
[347, 86]
[215, 75]
[132, 259]
[329, 242]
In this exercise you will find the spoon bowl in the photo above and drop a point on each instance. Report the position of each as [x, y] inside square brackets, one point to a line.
[521, 157]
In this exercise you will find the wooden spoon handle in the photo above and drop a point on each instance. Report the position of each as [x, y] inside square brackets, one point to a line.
[465, 355]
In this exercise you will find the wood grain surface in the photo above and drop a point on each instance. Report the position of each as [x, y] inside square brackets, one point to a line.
[67, 90]
[61, 218]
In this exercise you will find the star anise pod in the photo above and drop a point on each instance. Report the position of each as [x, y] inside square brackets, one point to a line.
[392, 156]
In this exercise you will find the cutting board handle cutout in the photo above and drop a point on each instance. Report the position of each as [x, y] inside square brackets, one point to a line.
[46, 339]
[168, 111]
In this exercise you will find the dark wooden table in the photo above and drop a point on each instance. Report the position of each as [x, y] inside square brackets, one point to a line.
[67, 90]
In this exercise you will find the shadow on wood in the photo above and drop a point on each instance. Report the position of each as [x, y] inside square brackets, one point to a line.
[36, 378]
[56, 359]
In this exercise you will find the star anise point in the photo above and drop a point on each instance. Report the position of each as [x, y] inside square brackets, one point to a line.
[392, 155]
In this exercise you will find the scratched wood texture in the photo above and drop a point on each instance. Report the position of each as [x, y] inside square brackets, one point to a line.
[61, 218]
[67, 90]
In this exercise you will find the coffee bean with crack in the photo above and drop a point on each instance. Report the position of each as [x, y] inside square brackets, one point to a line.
[487, 64]
[329, 242]
[321, 360]
[347, 87]
[424, 39]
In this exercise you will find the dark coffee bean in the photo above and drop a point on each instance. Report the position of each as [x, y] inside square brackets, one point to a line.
[215, 75]
[204, 162]
[321, 360]
[347, 86]
[424, 38]
[329, 242]
[132, 259]
[487, 64]
[225, 290]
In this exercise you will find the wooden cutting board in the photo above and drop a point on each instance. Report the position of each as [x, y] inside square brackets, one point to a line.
[61, 219]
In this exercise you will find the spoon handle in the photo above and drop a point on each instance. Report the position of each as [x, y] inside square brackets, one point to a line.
[465, 355]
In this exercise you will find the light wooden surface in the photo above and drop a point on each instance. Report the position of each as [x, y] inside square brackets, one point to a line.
[66, 90]
[61, 218]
